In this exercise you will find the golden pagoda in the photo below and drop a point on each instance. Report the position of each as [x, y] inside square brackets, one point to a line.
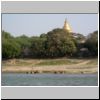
[67, 26]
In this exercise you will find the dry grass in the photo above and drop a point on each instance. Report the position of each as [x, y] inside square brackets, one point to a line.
[50, 65]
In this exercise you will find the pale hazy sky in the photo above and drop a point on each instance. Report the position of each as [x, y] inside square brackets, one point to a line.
[36, 24]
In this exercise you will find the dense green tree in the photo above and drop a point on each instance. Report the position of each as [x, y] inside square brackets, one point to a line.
[6, 35]
[10, 48]
[59, 43]
[43, 35]
[24, 41]
[92, 43]
[56, 43]
[38, 47]
[25, 44]
[79, 37]
[79, 40]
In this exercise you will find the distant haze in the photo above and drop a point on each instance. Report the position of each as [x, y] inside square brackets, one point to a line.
[36, 24]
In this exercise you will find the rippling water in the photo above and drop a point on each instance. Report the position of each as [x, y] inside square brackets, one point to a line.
[16, 79]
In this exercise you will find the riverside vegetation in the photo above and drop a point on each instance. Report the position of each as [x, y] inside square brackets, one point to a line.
[57, 51]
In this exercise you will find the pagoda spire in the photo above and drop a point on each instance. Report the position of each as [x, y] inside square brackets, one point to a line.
[67, 26]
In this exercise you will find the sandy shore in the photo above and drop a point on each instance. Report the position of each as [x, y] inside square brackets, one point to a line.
[30, 66]
[52, 69]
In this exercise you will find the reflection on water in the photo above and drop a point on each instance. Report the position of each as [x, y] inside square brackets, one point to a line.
[16, 79]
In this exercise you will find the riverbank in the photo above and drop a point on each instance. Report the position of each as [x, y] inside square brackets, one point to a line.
[33, 66]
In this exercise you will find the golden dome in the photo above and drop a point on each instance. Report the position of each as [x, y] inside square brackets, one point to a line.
[67, 26]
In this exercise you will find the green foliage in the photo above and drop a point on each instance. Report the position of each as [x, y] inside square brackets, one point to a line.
[59, 43]
[6, 35]
[56, 43]
[38, 47]
[10, 48]
[43, 35]
[24, 41]
[79, 37]
[92, 43]
[25, 44]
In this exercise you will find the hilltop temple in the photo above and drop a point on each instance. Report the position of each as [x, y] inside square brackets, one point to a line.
[67, 26]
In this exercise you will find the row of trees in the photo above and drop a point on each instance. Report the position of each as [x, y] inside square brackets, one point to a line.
[56, 43]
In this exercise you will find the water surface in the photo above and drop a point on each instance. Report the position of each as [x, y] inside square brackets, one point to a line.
[17, 79]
